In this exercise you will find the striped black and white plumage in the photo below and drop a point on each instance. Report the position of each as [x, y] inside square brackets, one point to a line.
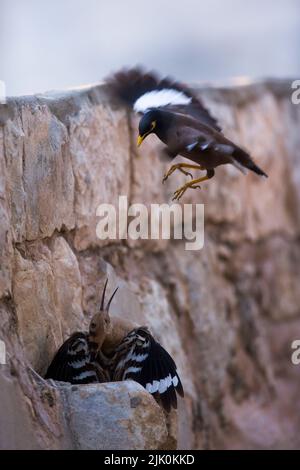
[81, 360]
[172, 112]
[74, 362]
[139, 357]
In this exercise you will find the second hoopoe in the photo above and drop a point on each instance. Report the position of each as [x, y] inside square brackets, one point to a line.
[113, 351]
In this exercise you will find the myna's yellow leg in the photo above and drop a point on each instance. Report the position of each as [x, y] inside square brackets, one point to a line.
[191, 184]
[180, 166]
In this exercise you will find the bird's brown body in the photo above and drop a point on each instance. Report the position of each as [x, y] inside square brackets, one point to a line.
[183, 130]
[120, 327]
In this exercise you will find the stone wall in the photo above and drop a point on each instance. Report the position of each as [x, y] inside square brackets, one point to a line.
[227, 313]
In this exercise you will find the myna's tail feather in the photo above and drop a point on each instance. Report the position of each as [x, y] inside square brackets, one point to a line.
[244, 159]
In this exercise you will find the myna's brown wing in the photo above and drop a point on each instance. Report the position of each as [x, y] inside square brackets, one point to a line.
[145, 90]
[219, 149]
[196, 110]
[72, 363]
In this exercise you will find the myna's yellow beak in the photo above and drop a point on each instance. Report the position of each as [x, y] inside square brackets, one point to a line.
[140, 140]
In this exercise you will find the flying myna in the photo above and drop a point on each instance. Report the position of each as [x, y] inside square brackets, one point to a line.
[173, 112]
[113, 350]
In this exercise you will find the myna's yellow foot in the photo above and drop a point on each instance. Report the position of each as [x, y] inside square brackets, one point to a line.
[180, 166]
[192, 184]
[180, 192]
[172, 169]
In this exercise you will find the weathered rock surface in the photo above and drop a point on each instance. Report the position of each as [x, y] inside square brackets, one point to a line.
[110, 417]
[228, 313]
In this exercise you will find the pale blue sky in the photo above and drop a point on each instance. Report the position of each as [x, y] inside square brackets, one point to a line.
[55, 44]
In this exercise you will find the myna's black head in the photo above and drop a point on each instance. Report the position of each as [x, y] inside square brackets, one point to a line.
[148, 125]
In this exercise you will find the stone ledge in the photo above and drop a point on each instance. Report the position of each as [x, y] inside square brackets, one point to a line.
[113, 416]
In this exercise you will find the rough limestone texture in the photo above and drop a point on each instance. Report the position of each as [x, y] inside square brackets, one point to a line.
[103, 416]
[227, 313]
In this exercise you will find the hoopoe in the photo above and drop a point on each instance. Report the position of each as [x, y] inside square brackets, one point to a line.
[76, 361]
[113, 350]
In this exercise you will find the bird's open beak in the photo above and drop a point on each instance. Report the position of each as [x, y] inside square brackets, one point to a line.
[140, 140]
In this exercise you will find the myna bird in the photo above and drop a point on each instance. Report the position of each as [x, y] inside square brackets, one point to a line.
[173, 112]
[113, 350]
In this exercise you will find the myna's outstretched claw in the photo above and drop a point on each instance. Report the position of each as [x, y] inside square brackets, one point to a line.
[172, 169]
[192, 184]
[180, 166]
[172, 112]
[180, 192]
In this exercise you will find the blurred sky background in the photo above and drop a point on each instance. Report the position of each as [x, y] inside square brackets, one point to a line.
[54, 44]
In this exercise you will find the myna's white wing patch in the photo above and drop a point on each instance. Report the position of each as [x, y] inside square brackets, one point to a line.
[160, 98]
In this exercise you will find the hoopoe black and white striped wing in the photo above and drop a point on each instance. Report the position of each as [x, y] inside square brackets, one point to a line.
[72, 362]
[145, 90]
[144, 360]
